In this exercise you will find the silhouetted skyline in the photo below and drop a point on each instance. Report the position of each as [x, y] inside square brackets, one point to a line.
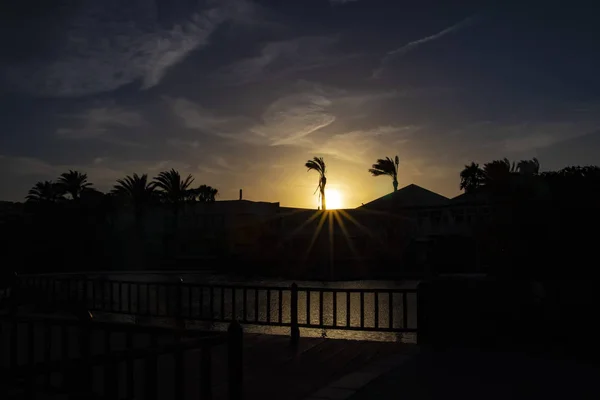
[241, 93]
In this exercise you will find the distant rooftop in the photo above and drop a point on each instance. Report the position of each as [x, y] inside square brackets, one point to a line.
[408, 196]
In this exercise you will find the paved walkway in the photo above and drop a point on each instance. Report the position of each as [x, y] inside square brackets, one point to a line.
[469, 374]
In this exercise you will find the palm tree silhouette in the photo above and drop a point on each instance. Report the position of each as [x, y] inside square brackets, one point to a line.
[73, 183]
[137, 191]
[529, 167]
[388, 167]
[205, 194]
[173, 190]
[47, 192]
[471, 178]
[317, 164]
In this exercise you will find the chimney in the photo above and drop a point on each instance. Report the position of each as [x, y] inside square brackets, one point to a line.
[240, 194]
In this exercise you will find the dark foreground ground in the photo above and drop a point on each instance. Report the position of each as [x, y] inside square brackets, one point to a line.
[472, 374]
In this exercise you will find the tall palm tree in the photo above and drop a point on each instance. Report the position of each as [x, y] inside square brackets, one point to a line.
[137, 191]
[471, 178]
[47, 192]
[73, 183]
[205, 194]
[173, 189]
[387, 167]
[317, 164]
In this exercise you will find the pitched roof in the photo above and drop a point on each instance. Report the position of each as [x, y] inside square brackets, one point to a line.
[408, 196]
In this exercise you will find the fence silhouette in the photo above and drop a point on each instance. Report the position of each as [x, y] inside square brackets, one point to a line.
[372, 310]
[84, 359]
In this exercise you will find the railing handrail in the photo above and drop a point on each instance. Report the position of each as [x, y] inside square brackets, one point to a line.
[240, 286]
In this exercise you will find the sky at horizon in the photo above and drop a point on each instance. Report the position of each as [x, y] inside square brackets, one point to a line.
[241, 93]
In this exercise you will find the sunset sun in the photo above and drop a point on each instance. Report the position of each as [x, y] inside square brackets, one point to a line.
[334, 199]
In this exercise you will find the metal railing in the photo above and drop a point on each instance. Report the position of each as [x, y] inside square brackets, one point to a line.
[54, 356]
[372, 310]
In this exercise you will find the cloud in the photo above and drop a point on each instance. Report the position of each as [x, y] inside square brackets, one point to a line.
[529, 136]
[401, 51]
[110, 45]
[290, 119]
[195, 116]
[281, 58]
[360, 146]
[334, 2]
[107, 123]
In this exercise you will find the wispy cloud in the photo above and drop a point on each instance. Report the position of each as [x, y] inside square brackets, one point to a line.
[98, 121]
[291, 118]
[102, 53]
[282, 58]
[361, 146]
[401, 51]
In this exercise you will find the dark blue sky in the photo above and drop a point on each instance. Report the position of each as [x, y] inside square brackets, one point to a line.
[242, 93]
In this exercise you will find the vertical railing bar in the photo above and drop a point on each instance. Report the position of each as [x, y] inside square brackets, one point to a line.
[391, 309]
[129, 301]
[148, 302]
[110, 294]
[334, 307]
[138, 289]
[321, 295]
[244, 305]
[31, 343]
[212, 303]
[280, 306]
[121, 305]
[348, 309]
[268, 306]
[200, 302]
[404, 311]
[222, 303]
[233, 304]
[256, 305]
[362, 309]
[190, 312]
[157, 299]
[308, 307]
[376, 309]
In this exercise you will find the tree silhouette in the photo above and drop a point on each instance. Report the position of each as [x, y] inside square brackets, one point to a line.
[529, 167]
[471, 178]
[137, 191]
[172, 188]
[388, 167]
[205, 194]
[47, 192]
[317, 164]
[73, 183]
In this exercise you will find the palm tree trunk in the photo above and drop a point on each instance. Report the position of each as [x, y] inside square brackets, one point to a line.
[395, 183]
[323, 198]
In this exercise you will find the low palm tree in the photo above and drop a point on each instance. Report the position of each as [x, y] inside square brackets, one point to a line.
[471, 178]
[387, 167]
[317, 164]
[529, 167]
[46, 192]
[137, 191]
[205, 194]
[73, 183]
[498, 171]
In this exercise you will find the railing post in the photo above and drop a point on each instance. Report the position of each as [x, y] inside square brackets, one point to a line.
[294, 330]
[235, 364]
[179, 306]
